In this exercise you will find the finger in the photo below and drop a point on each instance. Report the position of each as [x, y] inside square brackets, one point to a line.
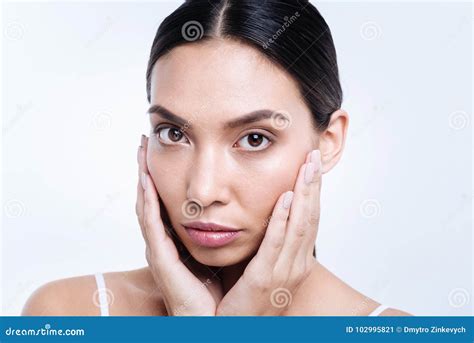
[300, 224]
[145, 169]
[305, 255]
[289, 197]
[140, 196]
[144, 144]
[141, 158]
[308, 158]
[308, 216]
[315, 204]
[275, 234]
[160, 243]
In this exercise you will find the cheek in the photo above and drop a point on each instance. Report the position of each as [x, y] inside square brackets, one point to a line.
[167, 179]
[265, 182]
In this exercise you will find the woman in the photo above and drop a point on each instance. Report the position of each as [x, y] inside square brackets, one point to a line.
[245, 119]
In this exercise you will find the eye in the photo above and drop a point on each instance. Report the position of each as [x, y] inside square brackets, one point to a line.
[254, 142]
[170, 135]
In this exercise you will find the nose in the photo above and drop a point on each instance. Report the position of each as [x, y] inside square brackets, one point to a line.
[209, 177]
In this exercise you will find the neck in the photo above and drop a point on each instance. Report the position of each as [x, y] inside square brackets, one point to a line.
[229, 275]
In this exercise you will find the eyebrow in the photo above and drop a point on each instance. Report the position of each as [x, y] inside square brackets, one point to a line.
[248, 118]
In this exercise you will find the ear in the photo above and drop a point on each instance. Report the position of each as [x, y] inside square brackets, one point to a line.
[332, 140]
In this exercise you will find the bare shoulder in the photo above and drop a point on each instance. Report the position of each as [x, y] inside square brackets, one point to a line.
[63, 297]
[128, 293]
[325, 294]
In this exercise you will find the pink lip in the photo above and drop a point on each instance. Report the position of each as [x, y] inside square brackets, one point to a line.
[210, 234]
[209, 226]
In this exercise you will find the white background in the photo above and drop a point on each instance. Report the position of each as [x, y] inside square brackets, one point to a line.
[396, 211]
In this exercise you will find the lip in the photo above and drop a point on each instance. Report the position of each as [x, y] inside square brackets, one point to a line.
[210, 234]
[209, 227]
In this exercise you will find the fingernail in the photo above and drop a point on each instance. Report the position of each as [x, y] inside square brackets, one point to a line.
[316, 159]
[143, 140]
[309, 172]
[143, 179]
[287, 199]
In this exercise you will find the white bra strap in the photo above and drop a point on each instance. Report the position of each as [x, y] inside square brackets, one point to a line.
[102, 293]
[378, 310]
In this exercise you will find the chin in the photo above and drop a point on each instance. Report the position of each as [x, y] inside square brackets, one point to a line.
[221, 257]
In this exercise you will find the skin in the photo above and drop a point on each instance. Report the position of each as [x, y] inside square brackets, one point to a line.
[229, 182]
[238, 185]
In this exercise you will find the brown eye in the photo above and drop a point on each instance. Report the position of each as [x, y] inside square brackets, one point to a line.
[170, 135]
[175, 135]
[254, 142]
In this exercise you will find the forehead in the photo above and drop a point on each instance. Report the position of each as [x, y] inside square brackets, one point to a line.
[222, 77]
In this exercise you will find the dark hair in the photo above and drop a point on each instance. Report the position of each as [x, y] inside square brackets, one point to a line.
[290, 33]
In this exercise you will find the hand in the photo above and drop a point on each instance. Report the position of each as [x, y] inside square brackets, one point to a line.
[185, 291]
[285, 257]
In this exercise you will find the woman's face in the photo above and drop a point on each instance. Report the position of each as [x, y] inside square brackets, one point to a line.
[235, 171]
